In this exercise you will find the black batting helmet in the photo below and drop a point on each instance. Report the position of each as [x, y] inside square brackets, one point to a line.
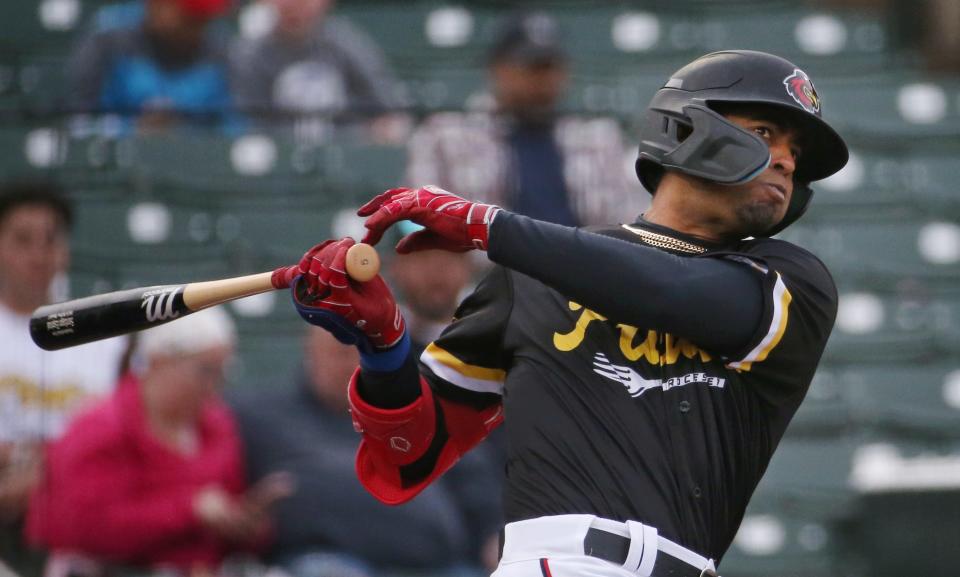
[683, 131]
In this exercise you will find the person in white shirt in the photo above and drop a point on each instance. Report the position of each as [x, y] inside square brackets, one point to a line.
[39, 390]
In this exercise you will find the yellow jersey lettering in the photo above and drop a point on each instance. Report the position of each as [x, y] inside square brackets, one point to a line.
[569, 341]
[646, 349]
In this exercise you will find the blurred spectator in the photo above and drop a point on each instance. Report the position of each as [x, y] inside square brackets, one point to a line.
[517, 152]
[430, 285]
[311, 63]
[331, 527]
[153, 476]
[39, 390]
[158, 68]
[941, 42]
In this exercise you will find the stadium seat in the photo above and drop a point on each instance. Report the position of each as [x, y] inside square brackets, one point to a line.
[277, 232]
[909, 531]
[935, 176]
[876, 183]
[828, 407]
[788, 542]
[885, 251]
[795, 524]
[208, 163]
[901, 402]
[897, 103]
[414, 33]
[118, 224]
[360, 171]
[264, 168]
[42, 26]
[90, 163]
[886, 326]
[814, 469]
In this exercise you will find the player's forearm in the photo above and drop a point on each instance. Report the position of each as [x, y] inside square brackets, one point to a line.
[713, 302]
[390, 389]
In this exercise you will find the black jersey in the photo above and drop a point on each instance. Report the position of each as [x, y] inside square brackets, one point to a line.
[626, 422]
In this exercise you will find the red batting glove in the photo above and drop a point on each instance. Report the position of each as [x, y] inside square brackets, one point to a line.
[450, 222]
[351, 310]
[284, 276]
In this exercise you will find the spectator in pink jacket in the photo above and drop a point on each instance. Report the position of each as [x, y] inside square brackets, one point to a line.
[153, 477]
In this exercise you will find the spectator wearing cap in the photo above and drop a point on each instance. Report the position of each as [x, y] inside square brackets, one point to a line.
[331, 527]
[516, 150]
[153, 477]
[156, 69]
[317, 69]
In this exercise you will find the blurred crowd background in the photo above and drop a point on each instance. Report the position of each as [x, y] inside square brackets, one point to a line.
[166, 141]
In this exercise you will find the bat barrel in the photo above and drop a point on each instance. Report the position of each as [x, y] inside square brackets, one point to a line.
[79, 321]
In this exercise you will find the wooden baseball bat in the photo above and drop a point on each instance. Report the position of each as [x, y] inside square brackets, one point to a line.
[75, 322]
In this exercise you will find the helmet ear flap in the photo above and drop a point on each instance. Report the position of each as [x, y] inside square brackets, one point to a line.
[799, 202]
[649, 173]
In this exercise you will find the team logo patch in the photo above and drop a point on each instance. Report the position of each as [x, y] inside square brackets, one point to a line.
[636, 385]
[800, 88]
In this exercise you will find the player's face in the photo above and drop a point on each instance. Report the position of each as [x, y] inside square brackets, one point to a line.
[33, 249]
[760, 204]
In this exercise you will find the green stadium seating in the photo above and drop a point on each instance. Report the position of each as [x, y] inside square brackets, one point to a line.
[904, 402]
[909, 532]
[90, 164]
[260, 168]
[824, 487]
[935, 176]
[875, 184]
[414, 33]
[788, 542]
[42, 26]
[795, 524]
[828, 407]
[884, 252]
[212, 165]
[870, 104]
[890, 327]
[278, 232]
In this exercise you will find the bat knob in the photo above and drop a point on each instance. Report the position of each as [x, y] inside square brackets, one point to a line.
[363, 262]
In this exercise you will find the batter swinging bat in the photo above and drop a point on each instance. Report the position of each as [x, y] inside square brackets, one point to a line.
[97, 317]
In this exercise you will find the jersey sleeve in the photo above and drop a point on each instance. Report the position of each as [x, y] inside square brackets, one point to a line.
[469, 361]
[800, 306]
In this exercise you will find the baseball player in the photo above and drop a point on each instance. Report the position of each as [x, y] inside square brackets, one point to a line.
[646, 372]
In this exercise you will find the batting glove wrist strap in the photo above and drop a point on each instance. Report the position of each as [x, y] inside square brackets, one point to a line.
[386, 360]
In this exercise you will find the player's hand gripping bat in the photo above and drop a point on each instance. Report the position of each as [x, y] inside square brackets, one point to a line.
[97, 317]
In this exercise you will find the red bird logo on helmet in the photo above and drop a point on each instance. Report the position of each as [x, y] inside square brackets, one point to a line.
[800, 87]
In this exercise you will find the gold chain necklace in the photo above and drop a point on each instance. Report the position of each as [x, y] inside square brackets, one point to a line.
[664, 241]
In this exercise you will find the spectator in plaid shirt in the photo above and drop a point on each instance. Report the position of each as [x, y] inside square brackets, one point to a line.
[513, 149]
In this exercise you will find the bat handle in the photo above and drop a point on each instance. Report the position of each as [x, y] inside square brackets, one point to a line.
[201, 295]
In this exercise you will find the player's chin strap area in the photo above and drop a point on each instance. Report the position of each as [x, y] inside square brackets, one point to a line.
[634, 546]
